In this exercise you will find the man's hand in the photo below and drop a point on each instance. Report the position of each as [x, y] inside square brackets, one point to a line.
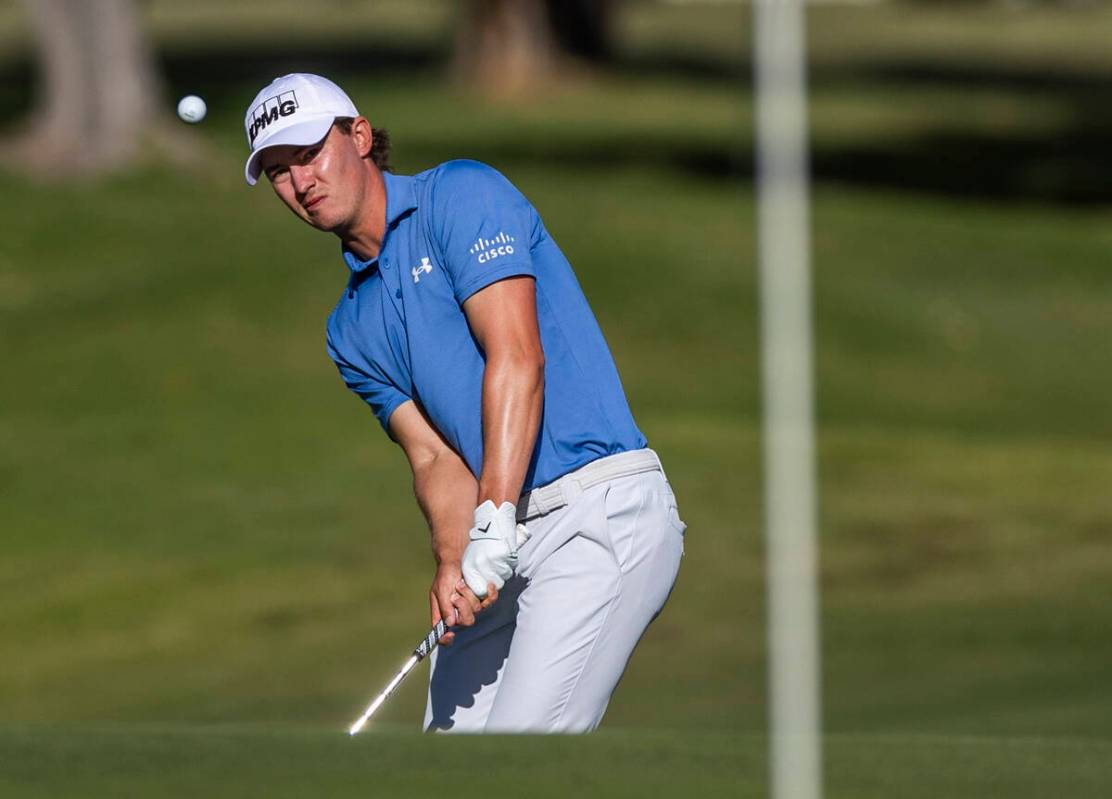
[450, 599]
[491, 555]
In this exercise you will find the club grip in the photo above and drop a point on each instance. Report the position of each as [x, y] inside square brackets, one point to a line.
[429, 644]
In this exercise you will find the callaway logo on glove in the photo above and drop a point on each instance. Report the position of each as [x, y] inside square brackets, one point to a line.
[491, 557]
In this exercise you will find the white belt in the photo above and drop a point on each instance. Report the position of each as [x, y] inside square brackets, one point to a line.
[553, 496]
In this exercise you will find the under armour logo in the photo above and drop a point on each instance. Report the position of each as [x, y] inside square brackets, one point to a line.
[425, 266]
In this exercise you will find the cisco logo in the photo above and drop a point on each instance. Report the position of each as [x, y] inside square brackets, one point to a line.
[489, 249]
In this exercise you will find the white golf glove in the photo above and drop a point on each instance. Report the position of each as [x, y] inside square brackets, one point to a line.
[491, 556]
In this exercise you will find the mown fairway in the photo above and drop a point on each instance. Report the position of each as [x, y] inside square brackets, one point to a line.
[230, 760]
[209, 553]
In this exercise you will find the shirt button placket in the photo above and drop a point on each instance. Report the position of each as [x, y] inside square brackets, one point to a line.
[386, 265]
[397, 288]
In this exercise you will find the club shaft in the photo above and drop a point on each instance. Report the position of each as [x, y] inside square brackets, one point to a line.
[389, 689]
[420, 652]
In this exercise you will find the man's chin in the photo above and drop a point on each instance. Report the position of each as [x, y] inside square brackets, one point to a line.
[323, 222]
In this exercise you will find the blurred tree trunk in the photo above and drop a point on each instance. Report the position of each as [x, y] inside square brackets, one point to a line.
[511, 45]
[99, 87]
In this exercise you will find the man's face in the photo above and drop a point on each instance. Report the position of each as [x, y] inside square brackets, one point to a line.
[323, 183]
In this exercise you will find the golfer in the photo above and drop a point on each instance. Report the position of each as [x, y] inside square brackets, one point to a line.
[462, 326]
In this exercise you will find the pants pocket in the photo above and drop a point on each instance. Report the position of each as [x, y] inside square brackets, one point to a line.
[673, 510]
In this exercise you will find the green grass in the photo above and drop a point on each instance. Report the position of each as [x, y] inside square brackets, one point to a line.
[239, 760]
[210, 558]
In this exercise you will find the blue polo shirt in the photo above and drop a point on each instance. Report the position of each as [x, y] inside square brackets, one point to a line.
[399, 331]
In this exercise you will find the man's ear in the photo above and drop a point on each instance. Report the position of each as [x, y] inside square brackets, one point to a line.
[362, 135]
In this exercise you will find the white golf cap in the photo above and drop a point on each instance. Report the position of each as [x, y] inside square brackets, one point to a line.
[294, 109]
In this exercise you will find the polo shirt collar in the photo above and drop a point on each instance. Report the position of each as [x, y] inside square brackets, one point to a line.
[353, 261]
[401, 198]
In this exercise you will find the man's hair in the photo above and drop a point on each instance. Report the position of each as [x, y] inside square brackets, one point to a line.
[380, 146]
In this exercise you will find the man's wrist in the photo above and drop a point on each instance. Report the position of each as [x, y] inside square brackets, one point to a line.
[449, 556]
[498, 491]
[497, 497]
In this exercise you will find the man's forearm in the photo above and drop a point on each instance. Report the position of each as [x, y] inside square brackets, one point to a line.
[446, 491]
[513, 399]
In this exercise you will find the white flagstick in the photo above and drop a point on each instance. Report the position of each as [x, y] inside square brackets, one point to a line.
[786, 359]
[420, 653]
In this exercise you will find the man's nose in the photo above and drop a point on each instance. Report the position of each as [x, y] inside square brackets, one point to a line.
[302, 178]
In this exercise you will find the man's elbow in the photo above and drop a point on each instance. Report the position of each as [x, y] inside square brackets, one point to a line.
[533, 365]
[427, 472]
[535, 359]
[519, 361]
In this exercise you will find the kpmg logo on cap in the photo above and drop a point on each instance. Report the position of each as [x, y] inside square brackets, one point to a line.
[281, 105]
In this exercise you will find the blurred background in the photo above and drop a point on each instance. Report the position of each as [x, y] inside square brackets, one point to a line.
[210, 557]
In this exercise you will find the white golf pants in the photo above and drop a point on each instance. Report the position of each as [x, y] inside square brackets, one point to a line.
[604, 553]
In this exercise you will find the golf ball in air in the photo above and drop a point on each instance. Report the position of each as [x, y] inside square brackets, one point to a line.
[192, 109]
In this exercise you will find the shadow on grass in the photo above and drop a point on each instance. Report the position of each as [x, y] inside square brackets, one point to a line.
[222, 73]
[980, 75]
[219, 74]
[1067, 167]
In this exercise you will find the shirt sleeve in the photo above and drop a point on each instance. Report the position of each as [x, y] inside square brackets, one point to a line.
[377, 391]
[484, 227]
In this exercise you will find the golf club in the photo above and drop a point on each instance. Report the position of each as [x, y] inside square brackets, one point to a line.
[428, 643]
